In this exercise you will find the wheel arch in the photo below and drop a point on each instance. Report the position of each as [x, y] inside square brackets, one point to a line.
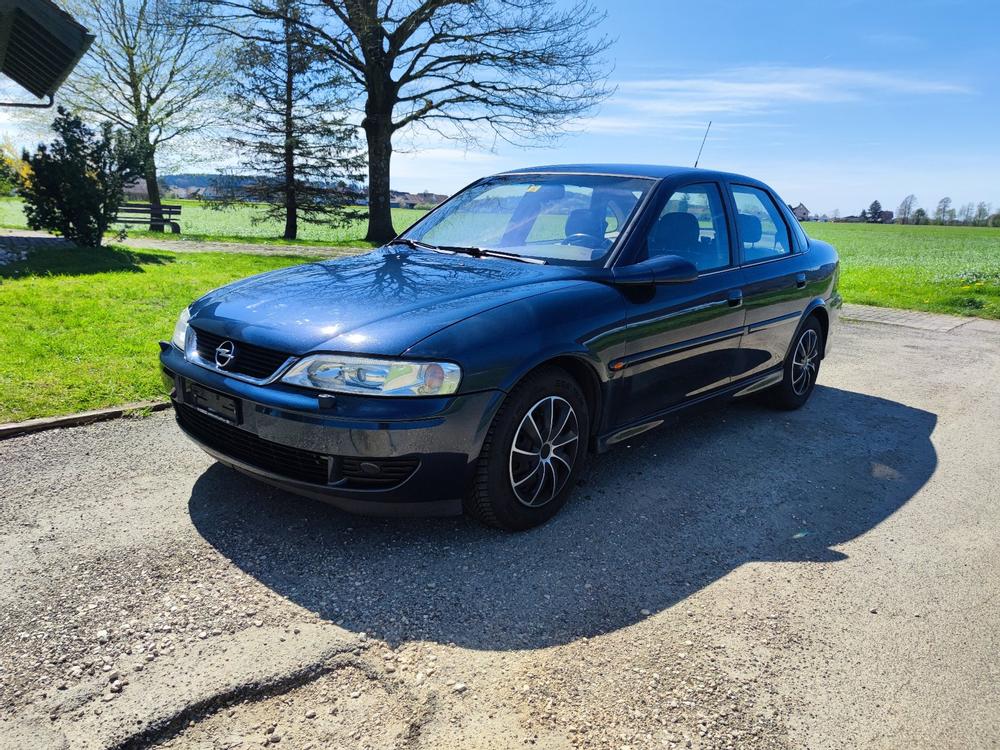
[815, 309]
[818, 310]
[583, 371]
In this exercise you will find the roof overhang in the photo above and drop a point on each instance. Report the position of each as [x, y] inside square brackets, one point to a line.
[40, 44]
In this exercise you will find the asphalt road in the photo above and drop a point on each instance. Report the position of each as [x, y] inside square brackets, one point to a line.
[746, 578]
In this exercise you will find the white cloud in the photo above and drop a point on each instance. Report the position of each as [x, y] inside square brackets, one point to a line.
[442, 169]
[753, 90]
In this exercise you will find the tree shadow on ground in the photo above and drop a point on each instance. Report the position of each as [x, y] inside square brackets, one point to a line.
[657, 520]
[54, 258]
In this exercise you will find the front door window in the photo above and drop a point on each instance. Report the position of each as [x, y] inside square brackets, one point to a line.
[692, 225]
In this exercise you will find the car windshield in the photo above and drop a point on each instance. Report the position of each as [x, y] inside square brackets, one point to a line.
[564, 219]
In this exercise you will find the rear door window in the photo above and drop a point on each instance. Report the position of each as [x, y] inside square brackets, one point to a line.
[763, 232]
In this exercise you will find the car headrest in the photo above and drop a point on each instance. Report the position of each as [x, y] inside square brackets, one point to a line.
[750, 230]
[584, 221]
[675, 232]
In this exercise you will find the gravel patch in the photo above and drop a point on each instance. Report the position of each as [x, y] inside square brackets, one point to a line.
[742, 579]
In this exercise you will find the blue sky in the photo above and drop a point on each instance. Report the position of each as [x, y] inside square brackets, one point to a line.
[833, 103]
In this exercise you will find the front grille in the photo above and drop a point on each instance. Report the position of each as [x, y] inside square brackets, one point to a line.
[295, 463]
[253, 361]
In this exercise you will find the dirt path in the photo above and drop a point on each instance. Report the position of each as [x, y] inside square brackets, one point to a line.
[15, 240]
[826, 578]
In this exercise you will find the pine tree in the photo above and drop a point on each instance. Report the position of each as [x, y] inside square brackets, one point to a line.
[293, 137]
[875, 212]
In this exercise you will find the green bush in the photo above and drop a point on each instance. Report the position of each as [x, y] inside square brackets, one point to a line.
[76, 182]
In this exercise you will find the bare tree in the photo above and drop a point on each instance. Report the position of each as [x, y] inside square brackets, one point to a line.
[153, 70]
[944, 212]
[982, 217]
[966, 213]
[905, 210]
[475, 70]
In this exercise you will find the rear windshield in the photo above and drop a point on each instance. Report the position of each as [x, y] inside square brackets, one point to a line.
[568, 219]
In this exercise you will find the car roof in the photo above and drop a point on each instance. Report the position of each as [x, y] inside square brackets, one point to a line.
[651, 171]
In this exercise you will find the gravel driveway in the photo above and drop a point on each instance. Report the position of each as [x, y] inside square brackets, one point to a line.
[826, 578]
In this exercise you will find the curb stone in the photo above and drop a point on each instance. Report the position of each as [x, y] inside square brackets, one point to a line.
[14, 429]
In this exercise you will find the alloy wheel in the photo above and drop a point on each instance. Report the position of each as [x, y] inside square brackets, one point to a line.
[805, 361]
[544, 451]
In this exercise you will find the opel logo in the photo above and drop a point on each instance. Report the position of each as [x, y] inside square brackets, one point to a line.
[224, 353]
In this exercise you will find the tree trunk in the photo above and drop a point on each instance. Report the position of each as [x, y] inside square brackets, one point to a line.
[379, 137]
[291, 205]
[291, 198]
[153, 191]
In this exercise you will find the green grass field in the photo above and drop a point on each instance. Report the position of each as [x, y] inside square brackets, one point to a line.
[78, 330]
[952, 270]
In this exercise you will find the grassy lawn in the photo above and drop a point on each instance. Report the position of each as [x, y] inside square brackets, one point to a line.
[199, 222]
[79, 330]
[952, 270]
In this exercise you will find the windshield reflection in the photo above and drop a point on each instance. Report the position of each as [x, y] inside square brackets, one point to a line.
[564, 219]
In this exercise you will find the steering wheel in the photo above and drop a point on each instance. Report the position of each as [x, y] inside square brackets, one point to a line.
[584, 240]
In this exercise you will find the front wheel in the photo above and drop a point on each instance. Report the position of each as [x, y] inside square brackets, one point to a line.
[801, 368]
[533, 453]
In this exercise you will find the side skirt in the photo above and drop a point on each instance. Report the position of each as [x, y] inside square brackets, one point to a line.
[744, 387]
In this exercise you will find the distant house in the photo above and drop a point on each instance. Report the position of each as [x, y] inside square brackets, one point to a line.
[801, 212]
[885, 217]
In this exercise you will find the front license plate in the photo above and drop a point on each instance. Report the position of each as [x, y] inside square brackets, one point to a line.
[211, 402]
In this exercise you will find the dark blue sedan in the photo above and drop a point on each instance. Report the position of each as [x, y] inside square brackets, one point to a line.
[477, 360]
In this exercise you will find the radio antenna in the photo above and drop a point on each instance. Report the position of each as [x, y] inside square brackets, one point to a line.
[702, 144]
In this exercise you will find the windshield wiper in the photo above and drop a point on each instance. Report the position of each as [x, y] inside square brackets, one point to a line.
[476, 252]
[482, 252]
[415, 244]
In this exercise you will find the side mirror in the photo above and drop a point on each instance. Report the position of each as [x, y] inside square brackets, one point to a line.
[661, 269]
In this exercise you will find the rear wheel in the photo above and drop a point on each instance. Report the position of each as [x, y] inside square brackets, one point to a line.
[533, 453]
[801, 368]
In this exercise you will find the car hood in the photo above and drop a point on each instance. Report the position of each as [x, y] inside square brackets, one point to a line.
[381, 302]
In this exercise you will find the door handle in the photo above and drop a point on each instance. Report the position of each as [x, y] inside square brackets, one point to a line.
[735, 298]
[800, 280]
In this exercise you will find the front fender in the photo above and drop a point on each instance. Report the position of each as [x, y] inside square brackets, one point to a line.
[497, 347]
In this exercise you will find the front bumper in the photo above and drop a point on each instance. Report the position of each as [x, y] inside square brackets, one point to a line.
[372, 455]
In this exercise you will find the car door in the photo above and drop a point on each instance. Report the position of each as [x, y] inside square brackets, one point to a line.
[775, 288]
[682, 340]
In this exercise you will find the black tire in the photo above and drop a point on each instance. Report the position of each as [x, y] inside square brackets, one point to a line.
[538, 496]
[801, 368]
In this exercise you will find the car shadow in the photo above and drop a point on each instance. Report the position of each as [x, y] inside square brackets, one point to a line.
[656, 520]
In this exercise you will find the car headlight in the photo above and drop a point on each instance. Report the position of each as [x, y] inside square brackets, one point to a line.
[374, 377]
[181, 328]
